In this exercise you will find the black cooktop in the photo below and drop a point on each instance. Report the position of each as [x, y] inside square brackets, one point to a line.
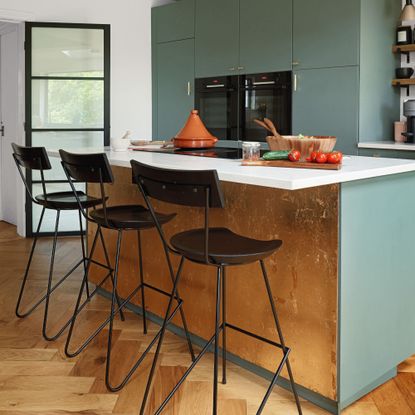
[214, 152]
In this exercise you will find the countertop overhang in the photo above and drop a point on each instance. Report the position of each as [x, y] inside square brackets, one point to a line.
[354, 168]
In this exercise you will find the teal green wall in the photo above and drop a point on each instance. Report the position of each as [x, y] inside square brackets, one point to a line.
[379, 100]
[377, 280]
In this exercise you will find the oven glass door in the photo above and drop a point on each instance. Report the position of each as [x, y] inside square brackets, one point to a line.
[262, 97]
[217, 102]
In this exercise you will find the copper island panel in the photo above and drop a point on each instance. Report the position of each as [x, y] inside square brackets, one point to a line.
[303, 273]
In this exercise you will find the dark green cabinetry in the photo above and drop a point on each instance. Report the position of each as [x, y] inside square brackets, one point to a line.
[174, 21]
[174, 85]
[265, 35]
[325, 102]
[217, 37]
[326, 33]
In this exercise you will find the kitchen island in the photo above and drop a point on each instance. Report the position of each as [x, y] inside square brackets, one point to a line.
[342, 280]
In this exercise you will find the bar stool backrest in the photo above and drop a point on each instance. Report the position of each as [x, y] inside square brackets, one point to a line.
[88, 168]
[195, 188]
[31, 158]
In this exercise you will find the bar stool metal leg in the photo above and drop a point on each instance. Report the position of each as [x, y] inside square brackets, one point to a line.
[224, 325]
[282, 341]
[140, 264]
[217, 331]
[182, 315]
[83, 250]
[113, 301]
[26, 274]
[160, 342]
[79, 307]
[52, 263]
[107, 260]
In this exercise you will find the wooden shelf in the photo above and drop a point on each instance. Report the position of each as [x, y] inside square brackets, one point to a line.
[403, 82]
[403, 48]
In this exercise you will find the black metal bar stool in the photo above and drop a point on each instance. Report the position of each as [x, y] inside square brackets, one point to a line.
[94, 168]
[36, 158]
[216, 247]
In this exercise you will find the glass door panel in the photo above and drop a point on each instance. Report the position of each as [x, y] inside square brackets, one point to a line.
[67, 102]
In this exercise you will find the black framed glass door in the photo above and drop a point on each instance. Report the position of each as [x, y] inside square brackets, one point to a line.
[67, 101]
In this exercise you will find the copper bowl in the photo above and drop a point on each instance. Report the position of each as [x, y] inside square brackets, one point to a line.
[304, 145]
[195, 142]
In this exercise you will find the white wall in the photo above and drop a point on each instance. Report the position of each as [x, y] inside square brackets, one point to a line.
[130, 50]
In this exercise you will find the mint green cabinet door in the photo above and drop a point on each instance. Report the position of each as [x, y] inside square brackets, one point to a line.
[175, 81]
[265, 35]
[326, 33]
[174, 21]
[325, 102]
[217, 37]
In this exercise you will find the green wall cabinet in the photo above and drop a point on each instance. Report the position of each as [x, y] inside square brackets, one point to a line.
[217, 37]
[326, 33]
[325, 102]
[174, 21]
[265, 35]
[175, 85]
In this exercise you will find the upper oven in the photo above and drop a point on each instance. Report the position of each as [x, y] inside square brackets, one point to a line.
[266, 95]
[217, 102]
[229, 105]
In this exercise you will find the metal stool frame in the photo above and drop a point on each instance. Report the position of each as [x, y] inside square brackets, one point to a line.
[201, 188]
[35, 158]
[101, 174]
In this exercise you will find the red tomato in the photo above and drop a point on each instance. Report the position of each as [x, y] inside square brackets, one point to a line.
[340, 155]
[321, 158]
[333, 158]
[313, 155]
[294, 155]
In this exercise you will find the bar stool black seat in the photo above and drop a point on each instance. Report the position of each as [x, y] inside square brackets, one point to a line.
[225, 246]
[36, 158]
[66, 200]
[128, 217]
[94, 168]
[216, 247]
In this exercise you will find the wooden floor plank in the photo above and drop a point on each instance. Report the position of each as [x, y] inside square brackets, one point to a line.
[27, 354]
[46, 401]
[390, 400]
[54, 384]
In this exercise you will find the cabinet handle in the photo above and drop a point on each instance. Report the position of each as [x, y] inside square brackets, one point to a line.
[240, 68]
[295, 63]
[189, 88]
[295, 82]
[232, 68]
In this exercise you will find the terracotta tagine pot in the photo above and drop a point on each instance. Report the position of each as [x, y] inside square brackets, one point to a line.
[194, 134]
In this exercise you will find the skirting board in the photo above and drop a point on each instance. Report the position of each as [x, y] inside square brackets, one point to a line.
[315, 398]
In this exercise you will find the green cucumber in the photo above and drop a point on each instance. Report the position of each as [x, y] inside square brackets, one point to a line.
[276, 155]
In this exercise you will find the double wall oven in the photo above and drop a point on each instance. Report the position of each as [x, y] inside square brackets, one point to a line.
[229, 105]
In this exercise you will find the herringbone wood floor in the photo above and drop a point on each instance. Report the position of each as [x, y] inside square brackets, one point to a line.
[36, 377]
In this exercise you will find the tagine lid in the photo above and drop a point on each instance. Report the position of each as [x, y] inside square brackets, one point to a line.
[194, 129]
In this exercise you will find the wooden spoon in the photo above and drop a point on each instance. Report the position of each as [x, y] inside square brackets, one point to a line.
[271, 125]
[262, 124]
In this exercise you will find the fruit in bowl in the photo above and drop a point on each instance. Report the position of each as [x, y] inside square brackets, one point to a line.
[304, 144]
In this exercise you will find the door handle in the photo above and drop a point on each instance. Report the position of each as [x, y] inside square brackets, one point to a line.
[240, 68]
[232, 68]
[189, 88]
[2, 129]
[295, 82]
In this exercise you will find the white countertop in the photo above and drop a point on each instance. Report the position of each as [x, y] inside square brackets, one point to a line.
[354, 168]
[387, 145]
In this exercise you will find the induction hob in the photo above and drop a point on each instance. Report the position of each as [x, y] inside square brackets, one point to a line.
[214, 152]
